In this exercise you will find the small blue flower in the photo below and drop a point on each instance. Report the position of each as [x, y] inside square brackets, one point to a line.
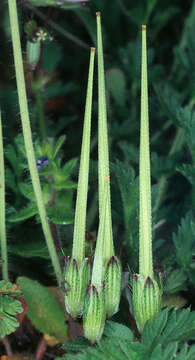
[41, 162]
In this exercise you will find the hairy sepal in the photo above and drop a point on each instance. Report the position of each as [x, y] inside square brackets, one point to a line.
[94, 315]
[146, 299]
[112, 285]
[77, 278]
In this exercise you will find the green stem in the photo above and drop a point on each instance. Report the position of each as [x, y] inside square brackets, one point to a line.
[28, 136]
[145, 232]
[2, 210]
[78, 251]
[103, 155]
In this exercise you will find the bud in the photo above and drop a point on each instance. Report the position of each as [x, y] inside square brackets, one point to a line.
[94, 315]
[146, 299]
[33, 52]
[77, 278]
[112, 285]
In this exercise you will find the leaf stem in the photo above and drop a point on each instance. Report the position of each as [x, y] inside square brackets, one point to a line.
[28, 136]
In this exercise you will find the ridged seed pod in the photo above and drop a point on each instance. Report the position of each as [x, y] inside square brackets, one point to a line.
[94, 315]
[112, 285]
[77, 279]
[146, 299]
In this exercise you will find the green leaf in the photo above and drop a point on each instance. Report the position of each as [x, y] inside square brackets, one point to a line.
[187, 353]
[169, 327]
[10, 180]
[79, 344]
[184, 241]
[60, 215]
[7, 287]
[68, 167]
[186, 119]
[114, 329]
[188, 171]
[44, 310]
[65, 185]
[9, 307]
[175, 281]
[116, 85]
[24, 214]
[58, 145]
[27, 190]
[128, 186]
[30, 249]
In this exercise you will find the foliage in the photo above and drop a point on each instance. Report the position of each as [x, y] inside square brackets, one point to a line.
[9, 307]
[163, 340]
[43, 309]
[56, 95]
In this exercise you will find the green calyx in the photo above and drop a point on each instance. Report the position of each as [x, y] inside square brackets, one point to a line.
[146, 299]
[113, 275]
[94, 309]
[94, 315]
[77, 278]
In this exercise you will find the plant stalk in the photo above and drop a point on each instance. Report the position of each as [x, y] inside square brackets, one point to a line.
[145, 230]
[2, 210]
[28, 136]
[78, 251]
[103, 155]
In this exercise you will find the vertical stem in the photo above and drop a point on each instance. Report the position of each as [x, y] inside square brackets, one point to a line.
[2, 210]
[78, 251]
[145, 230]
[28, 136]
[103, 155]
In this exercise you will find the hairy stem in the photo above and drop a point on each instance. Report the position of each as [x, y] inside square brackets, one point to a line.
[145, 230]
[2, 210]
[28, 136]
[103, 155]
[78, 251]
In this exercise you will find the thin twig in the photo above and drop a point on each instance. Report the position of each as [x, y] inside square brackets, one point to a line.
[7, 346]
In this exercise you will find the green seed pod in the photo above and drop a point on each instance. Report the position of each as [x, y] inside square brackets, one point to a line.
[112, 286]
[77, 278]
[33, 51]
[146, 299]
[94, 315]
